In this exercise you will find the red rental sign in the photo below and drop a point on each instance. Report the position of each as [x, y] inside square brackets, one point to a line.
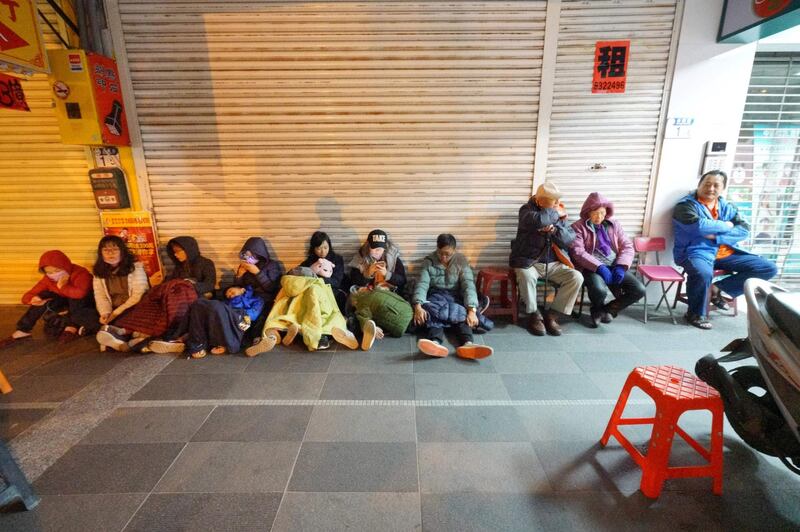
[610, 66]
[11, 94]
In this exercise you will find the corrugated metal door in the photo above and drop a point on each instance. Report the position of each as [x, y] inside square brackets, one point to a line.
[278, 118]
[618, 131]
[46, 200]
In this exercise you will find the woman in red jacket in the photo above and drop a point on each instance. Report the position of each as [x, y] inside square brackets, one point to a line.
[63, 297]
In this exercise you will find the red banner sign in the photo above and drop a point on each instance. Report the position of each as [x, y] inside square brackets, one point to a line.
[108, 97]
[11, 94]
[610, 66]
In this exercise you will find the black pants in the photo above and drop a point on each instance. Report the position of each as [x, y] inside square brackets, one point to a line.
[463, 333]
[627, 293]
[80, 312]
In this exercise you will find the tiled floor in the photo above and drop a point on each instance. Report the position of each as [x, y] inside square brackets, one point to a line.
[385, 440]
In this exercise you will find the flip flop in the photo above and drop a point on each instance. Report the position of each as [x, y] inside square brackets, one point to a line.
[698, 321]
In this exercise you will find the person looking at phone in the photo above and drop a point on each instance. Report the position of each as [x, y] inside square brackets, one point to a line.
[258, 270]
[378, 263]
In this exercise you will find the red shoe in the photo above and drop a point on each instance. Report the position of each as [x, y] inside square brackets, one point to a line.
[474, 351]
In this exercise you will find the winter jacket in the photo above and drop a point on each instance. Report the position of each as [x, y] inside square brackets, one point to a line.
[457, 277]
[251, 304]
[137, 286]
[583, 247]
[395, 270]
[337, 278]
[197, 269]
[530, 245]
[308, 302]
[266, 282]
[78, 286]
[692, 221]
[444, 310]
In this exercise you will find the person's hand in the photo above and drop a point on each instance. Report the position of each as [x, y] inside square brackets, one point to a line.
[105, 318]
[372, 269]
[420, 315]
[472, 318]
[378, 333]
[729, 224]
[617, 274]
[604, 272]
[63, 281]
[547, 229]
[380, 267]
[247, 267]
[562, 211]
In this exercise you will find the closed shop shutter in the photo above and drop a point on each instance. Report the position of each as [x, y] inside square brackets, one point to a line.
[46, 200]
[281, 118]
[618, 131]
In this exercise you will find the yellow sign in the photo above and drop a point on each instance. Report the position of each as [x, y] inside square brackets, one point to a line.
[21, 42]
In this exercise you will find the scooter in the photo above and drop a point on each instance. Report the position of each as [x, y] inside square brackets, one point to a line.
[762, 402]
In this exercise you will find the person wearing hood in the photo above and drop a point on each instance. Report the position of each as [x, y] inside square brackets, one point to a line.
[448, 271]
[191, 265]
[708, 230]
[327, 264]
[540, 250]
[378, 263]
[64, 287]
[603, 254]
[258, 270]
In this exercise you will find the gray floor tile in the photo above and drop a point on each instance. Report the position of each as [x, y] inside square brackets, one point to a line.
[230, 467]
[610, 362]
[149, 425]
[373, 361]
[129, 468]
[577, 422]
[452, 364]
[362, 424]
[368, 386]
[46, 388]
[488, 512]
[75, 513]
[469, 424]
[255, 423]
[555, 386]
[210, 364]
[355, 466]
[459, 386]
[405, 344]
[610, 384]
[480, 467]
[13, 422]
[81, 364]
[534, 362]
[349, 511]
[290, 361]
[22, 364]
[164, 387]
[206, 511]
[277, 386]
[680, 340]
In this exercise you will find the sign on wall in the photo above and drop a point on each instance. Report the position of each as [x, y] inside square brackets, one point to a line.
[610, 66]
[746, 21]
[21, 43]
[11, 94]
[136, 229]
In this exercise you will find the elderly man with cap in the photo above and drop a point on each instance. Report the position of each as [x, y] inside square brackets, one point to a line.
[543, 236]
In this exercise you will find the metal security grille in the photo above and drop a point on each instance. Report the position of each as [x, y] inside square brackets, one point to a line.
[764, 181]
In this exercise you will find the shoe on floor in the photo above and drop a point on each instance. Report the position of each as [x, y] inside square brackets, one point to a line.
[345, 337]
[536, 324]
[324, 343]
[594, 318]
[368, 335]
[163, 347]
[8, 342]
[700, 322]
[606, 317]
[199, 354]
[474, 351]
[432, 349]
[112, 340]
[551, 324]
[261, 345]
[291, 334]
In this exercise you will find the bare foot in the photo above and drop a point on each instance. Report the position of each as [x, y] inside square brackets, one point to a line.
[378, 333]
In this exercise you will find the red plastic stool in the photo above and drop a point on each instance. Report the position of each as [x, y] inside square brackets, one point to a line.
[674, 391]
[508, 299]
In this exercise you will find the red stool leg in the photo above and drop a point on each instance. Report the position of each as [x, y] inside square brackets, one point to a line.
[716, 449]
[504, 293]
[654, 471]
[619, 408]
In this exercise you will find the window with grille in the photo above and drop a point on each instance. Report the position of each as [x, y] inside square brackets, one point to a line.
[764, 181]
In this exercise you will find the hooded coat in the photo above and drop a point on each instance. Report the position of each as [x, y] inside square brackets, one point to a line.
[78, 286]
[456, 277]
[395, 269]
[197, 269]
[266, 282]
[692, 221]
[583, 247]
[530, 246]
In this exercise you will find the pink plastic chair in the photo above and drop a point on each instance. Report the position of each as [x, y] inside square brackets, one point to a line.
[656, 272]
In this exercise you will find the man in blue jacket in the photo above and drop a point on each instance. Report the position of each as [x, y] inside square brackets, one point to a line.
[708, 230]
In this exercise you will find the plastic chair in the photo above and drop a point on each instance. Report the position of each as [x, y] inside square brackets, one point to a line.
[684, 298]
[674, 391]
[656, 272]
[509, 302]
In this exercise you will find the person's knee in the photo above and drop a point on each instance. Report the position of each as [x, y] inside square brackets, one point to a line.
[700, 270]
[767, 269]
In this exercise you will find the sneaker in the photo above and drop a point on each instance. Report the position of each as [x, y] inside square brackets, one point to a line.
[345, 337]
[261, 345]
[432, 348]
[324, 343]
[368, 335]
[483, 303]
[114, 341]
[119, 331]
[163, 347]
[199, 354]
[474, 351]
[291, 334]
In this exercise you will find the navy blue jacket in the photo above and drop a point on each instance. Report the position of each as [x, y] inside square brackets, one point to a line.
[529, 245]
[444, 310]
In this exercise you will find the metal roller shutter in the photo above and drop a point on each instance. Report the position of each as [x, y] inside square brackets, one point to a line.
[618, 131]
[280, 118]
[46, 200]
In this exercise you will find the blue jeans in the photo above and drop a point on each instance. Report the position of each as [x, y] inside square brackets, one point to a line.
[700, 271]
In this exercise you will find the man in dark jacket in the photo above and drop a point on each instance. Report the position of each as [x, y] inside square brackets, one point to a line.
[543, 236]
[191, 266]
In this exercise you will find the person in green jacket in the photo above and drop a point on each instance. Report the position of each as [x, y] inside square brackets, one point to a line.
[378, 311]
[446, 270]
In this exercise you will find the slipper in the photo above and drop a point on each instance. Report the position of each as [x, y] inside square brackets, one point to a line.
[261, 345]
[698, 321]
[345, 337]
[199, 354]
[720, 303]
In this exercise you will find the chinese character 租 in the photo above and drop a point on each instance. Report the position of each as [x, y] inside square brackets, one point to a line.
[611, 61]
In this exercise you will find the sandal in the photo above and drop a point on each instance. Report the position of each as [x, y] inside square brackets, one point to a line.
[199, 354]
[720, 303]
[698, 321]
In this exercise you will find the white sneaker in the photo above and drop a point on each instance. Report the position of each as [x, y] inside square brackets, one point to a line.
[261, 346]
[109, 339]
[432, 349]
[368, 337]
[345, 337]
[162, 347]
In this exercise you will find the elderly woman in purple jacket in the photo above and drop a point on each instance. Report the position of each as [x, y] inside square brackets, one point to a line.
[603, 253]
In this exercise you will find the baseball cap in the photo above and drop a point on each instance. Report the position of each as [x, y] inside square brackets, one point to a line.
[377, 239]
[548, 190]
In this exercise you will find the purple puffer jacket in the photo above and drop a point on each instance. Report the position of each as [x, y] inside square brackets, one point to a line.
[585, 239]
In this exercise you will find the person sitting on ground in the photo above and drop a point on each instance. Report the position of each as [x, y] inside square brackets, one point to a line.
[543, 235]
[603, 254]
[447, 271]
[191, 265]
[258, 270]
[708, 230]
[320, 249]
[63, 297]
[378, 263]
[377, 311]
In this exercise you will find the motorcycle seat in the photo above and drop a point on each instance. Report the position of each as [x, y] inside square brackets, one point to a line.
[784, 309]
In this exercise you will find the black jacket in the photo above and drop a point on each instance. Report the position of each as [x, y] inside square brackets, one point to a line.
[267, 282]
[530, 245]
[337, 278]
[198, 269]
